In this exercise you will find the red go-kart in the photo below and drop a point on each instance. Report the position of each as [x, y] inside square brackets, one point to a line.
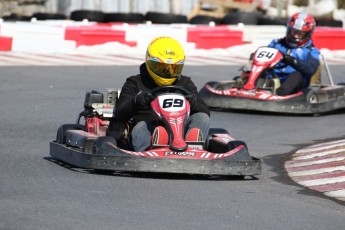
[258, 91]
[90, 146]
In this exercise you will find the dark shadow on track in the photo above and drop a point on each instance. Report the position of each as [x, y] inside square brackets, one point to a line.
[167, 176]
[254, 112]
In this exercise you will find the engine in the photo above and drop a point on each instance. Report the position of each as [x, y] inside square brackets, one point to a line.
[98, 112]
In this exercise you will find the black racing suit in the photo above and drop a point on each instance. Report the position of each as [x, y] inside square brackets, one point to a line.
[126, 109]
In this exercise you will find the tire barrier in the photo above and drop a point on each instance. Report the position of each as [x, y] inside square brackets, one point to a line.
[232, 18]
[264, 20]
[204, 19]
[48, 16]
[124, 17]
[91, 15]
[236, 17]
[164, 18]
[68, 35]
[16, 17]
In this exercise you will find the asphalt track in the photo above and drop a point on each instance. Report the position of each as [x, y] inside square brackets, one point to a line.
[37, 192]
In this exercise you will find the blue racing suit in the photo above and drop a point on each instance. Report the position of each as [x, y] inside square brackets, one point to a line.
[307, 60]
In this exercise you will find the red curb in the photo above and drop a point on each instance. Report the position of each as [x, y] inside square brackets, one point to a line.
[314, 167]
[318, 176]
[328, 187]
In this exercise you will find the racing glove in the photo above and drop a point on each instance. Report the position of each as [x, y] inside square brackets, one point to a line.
[192, 99]
[142, 100]
[287, 59]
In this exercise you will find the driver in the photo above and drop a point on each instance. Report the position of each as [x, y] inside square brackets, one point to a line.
[163, 66]
[301, 59]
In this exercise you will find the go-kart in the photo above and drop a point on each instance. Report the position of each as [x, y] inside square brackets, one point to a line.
[90, 146]
[257, 92]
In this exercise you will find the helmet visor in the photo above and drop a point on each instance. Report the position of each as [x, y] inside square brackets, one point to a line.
[298, 35]
[164, 70]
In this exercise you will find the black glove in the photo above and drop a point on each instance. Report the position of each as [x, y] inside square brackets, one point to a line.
[142, 100]
[287, 59]
[192, 99]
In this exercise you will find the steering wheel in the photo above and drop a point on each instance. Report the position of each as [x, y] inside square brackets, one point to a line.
[170, 89]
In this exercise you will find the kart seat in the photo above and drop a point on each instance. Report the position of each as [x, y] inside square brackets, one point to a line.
[274, 84]
[316, 78]
[268, 84]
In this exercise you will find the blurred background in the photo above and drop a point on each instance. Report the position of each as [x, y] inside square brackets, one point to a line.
[254, 11]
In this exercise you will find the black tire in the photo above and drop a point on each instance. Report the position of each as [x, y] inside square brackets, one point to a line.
[61, 133]
[204, 19]
[236, 17]
[100, 144]
[264, 20]
[328, 22]
[219, 88]
[16, 17]
[164, 18]
[312, 98]
[211, 132]
[48, 16]
[216, 130]
[242, 155]
[310, 95]
[124, 17]
[91, 15]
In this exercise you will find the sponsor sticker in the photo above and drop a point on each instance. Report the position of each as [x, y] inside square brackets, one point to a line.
[188, 154]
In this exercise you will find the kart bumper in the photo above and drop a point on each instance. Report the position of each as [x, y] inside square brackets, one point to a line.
[220, 167]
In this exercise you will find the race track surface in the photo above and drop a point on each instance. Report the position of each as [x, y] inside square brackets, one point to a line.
[36, 192]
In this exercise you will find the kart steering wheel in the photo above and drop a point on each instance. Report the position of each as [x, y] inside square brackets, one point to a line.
[170, 88]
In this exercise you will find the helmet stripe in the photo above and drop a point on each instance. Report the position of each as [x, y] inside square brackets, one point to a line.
[300, 20]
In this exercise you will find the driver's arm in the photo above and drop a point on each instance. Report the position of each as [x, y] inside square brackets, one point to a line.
[125, 107]
[308, 66]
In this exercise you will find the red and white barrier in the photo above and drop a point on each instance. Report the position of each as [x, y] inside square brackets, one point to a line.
[69, 36]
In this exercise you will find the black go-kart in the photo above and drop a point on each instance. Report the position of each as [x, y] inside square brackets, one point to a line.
[92, 146]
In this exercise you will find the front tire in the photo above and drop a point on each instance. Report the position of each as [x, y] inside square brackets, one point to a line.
[101, 143]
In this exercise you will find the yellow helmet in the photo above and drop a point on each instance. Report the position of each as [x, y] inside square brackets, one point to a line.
[164, 60]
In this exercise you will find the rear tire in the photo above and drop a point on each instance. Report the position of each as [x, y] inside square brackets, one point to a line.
[61, 133]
